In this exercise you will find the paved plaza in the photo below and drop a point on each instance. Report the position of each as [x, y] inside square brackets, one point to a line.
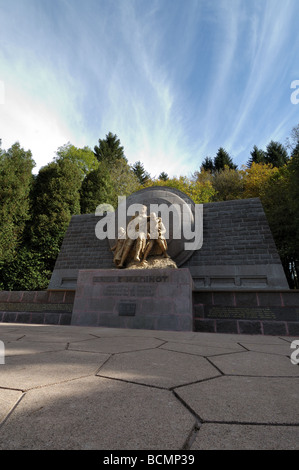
[71, 387]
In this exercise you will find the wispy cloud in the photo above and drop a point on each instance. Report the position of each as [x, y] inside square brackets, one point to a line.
[174, 82]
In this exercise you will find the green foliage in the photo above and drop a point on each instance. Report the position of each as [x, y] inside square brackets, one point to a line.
[97, 188]
[84, 158]
[26, 271]
[142, 175]
[15, 180]
[105, 184]
[221, 160]
[109, 150]
[199, 192]
[257, 156]
[276, 154]
[163, 176]
[35, 210]
[227, 184]
[54, 199]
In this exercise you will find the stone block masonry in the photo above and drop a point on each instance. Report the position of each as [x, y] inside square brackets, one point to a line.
[238, 250]
[260, 312]
[153, 299]
[37, 307]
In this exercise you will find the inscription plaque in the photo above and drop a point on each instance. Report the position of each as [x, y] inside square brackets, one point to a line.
[129, 291]
[127, 309]
[241, 313]
[159, 299]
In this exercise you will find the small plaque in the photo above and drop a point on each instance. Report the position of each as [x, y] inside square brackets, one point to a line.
[127, 309]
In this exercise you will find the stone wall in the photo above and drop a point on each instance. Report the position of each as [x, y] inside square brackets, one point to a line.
[37, 307]
[238, 250]
[261, 312]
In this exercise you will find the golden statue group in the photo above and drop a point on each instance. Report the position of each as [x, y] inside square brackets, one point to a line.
[144, 237]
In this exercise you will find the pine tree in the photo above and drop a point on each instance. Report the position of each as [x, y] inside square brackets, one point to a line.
[109, 150]
[276, 154]
[163, 176]
[257, 156]
[142, 175]
[222, 160]
[208, 165]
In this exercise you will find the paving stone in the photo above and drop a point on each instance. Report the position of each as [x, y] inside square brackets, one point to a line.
[8, 399]
[255, 363]
[199, 350]
[115, 345]
[246, 437]
[245, 399]
[35, 370]
[95, 413]
[281, 349]
[158, 367]
[19, 348]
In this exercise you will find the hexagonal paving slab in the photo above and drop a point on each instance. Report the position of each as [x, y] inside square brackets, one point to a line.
[245, 399]
[19, 348]
[246, 437]
[115, 344]
[198, 349]
[158, 367]
[253, 363]
[35, 370]
[8, 398]
[96, 413]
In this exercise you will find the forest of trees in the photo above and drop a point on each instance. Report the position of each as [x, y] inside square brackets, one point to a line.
[35, 210]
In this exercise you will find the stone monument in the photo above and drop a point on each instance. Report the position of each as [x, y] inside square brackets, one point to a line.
[145, 288]
[210, 267]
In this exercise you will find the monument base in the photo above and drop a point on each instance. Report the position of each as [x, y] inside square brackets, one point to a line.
[152, 299]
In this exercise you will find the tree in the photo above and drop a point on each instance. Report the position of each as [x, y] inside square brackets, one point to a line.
[106, 183]
[16, 166]
[208, 165]
[54, 199]
[257, 156]
[276, 154]
[293, 140]
[142, 175]
[198, 191]
[83, 157]
[223, 160]
[163, 176]
[97, 188]
[227, 184]
[255, 179]
[109, 150]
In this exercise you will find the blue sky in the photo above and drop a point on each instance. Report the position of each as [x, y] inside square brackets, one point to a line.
[174, 79]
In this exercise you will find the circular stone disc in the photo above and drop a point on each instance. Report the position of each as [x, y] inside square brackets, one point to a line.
[180, 215]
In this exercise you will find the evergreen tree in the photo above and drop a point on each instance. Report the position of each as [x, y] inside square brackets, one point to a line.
[222, 160]
[257, 156]
[140, 172]
[163, 176]
[208, 165]
[109, 150]
[276, 154]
